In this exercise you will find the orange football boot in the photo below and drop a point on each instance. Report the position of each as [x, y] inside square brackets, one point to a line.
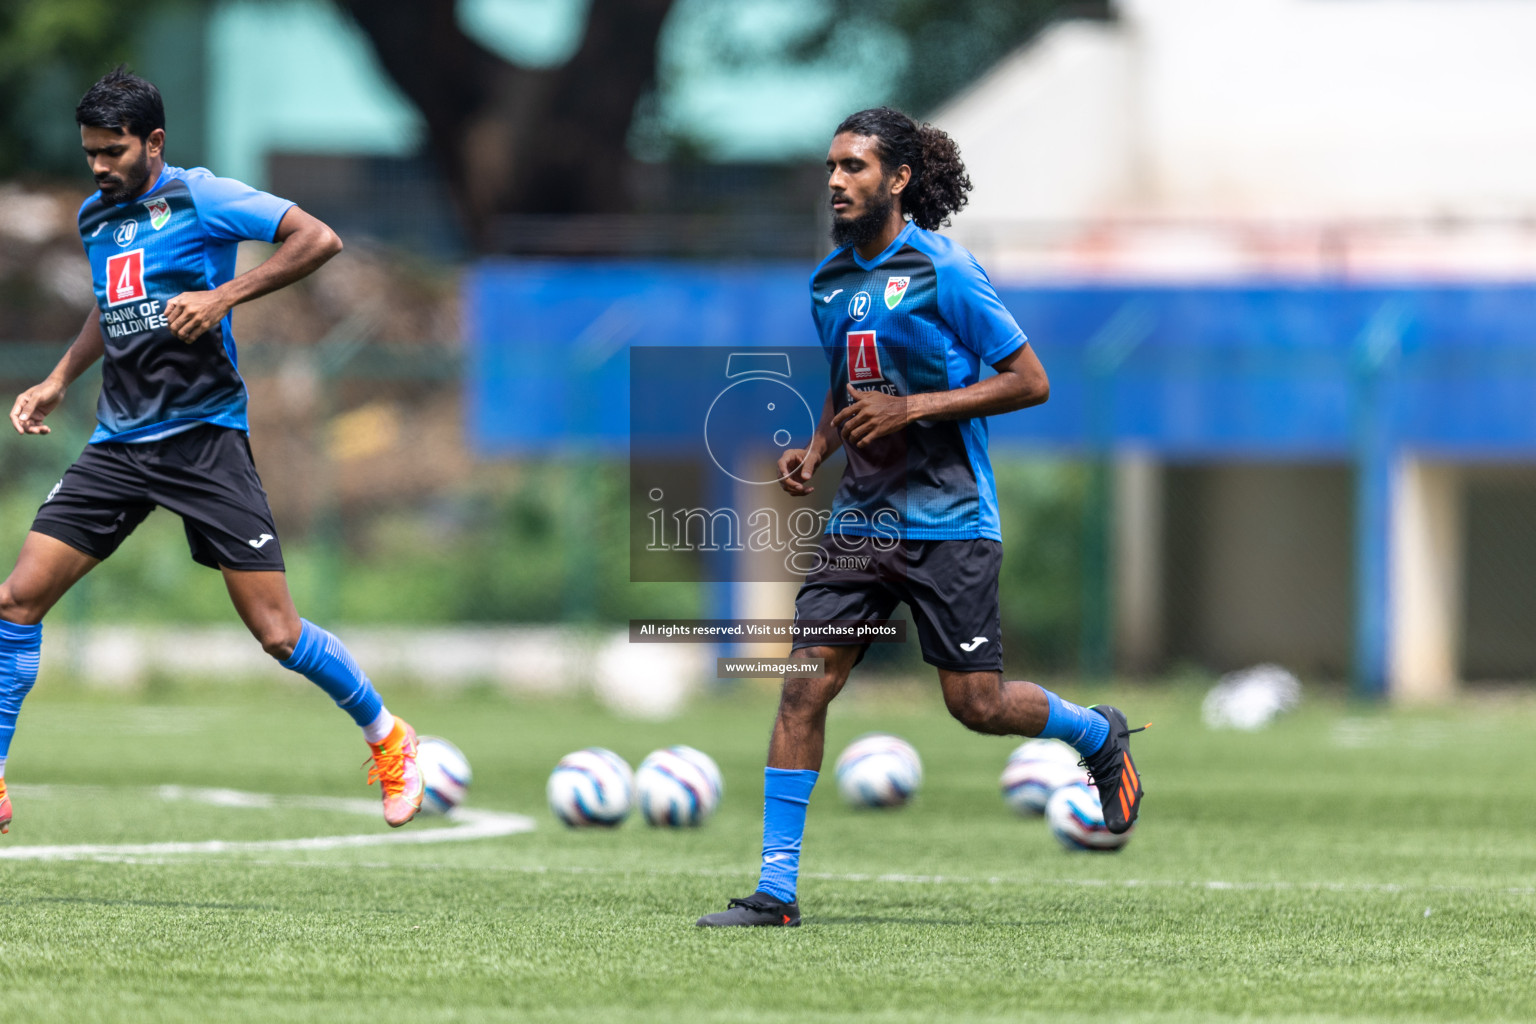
[394, 768]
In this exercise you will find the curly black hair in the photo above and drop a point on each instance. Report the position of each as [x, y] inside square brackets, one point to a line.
[939, 182]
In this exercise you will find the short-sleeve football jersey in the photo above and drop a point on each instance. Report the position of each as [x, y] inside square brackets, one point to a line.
[179, 236]
[922, 316]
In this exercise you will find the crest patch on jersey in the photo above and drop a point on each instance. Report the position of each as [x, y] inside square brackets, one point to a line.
[863, 357]
[125, 277]
[159, 213]
[895, 291]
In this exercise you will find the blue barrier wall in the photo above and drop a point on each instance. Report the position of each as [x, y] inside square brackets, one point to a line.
[547, 341]
[1255, 371]
[1252, 371]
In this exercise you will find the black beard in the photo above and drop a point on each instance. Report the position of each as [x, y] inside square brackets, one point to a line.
[866, 227]
[133, 181]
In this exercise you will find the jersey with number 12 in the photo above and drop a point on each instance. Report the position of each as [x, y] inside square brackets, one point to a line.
[920, 317]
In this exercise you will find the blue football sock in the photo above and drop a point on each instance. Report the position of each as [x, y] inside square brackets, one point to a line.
[325, 661]
[19, 649]
[786, 794]
[1082, 728]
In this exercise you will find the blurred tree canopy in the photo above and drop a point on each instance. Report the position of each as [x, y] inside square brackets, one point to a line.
[512, 139]
[951, 43]
[934, 48]
[46, 50]
[52, 50]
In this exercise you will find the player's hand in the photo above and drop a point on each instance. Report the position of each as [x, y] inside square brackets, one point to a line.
[870, 415]
[33, 404]
[795, 469]
[191, 315]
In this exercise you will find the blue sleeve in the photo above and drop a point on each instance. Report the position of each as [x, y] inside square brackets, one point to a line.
[233, 211]
[969, 304]
[815, 307]
[81, 213]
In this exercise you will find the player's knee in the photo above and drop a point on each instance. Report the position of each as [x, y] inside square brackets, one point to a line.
[807, 697]
[975, 707]
[279, 642]
[16, 608]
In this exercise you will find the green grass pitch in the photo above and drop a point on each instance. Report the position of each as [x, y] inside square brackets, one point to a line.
[1350, 863]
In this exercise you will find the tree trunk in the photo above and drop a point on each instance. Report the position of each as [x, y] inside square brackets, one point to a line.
[520, 140]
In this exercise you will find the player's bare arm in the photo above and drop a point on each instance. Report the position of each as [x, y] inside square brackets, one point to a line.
[305, 243]
[1020, 383]
[798, 464]
[35, 403]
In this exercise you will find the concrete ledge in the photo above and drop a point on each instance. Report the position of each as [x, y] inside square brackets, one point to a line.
[645, 680]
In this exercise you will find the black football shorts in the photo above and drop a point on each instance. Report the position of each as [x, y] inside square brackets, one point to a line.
[950, 585]
[205, 475]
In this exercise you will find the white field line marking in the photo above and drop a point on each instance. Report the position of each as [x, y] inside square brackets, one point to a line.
[464, 824]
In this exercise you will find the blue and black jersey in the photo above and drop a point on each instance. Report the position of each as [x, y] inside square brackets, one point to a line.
[179, 236]
[922, 316]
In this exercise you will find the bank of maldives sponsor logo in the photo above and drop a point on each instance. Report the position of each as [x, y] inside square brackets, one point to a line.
[125, 277]
[159, 212]
[895, 291]
[863, 357]
[125, 233]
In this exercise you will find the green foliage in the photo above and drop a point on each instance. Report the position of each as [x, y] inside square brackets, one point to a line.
[1042, 507]
[52, 50]
[545, 548]
[951, 43]
[544, 542]
[928, 49]
[550, 545]
[50, 53]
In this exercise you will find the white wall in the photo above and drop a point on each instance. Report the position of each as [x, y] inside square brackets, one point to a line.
[1260, 109]
[1336, 107]
[1046, 136]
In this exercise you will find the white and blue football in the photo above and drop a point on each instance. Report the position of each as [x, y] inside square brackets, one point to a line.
[879, 770]
[678, 787]
[1077, 820]
[445, 774]
[593, 786]
[1035, 770]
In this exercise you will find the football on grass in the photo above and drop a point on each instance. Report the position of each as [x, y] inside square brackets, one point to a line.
[445, 774]
[1037, 769]
[879, 770]
[678, 787]
[593, 786]
[1077, 820]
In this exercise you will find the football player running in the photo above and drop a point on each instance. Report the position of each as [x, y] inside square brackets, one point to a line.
[171, 418]
[907, 318]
